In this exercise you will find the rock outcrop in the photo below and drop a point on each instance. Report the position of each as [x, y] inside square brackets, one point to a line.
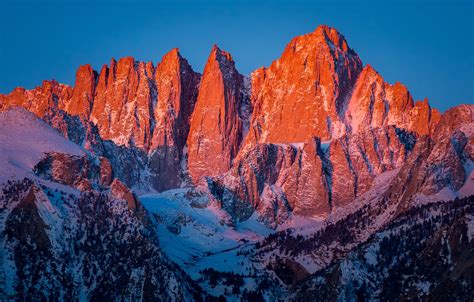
[83, 94]
[38, 100]
[122, 104]
[216, 126]
[375, 103]
[75, 171]
[120, 191]
[311, 179]
[177, 88]
[303, 93]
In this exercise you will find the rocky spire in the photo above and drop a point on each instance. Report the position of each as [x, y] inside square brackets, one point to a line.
[123, 101]
[216, 128]
[83, 93]
[176, 87]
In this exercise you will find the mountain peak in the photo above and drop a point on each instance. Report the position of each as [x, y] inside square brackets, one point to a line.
[322, 38]
[216, 117]
[173, 54]
[171, 60]
[220, 55]
[83, 93]
[333, 36]
[321, 70]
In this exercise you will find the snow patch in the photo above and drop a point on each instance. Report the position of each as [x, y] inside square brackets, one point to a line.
[24, 139]
[195, 233]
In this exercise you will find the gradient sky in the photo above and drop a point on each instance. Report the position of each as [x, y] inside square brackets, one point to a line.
[426, 45]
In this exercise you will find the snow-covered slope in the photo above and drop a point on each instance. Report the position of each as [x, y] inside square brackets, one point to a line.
[198, 235]
[60, 244]
[57, 246]
[24, 140]
[425, 254]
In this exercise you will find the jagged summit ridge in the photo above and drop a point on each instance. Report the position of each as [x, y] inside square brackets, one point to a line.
[187, 126]
[318, 78]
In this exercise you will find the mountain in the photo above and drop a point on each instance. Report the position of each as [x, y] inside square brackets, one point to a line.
[295, 182]
[68, 231]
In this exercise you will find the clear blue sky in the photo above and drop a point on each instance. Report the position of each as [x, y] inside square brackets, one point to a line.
[427, 45]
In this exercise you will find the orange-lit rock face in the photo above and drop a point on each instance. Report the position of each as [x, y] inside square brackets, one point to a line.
[453, 145]
[130, 104]
[437, 161]
[216, 128]
[177, 86]
[306, 185]
[83, 93]
[357, 159]
[122, 105]
[423, 118]
[134, 104]
[301, 94]
[39, 100]
[375, 103]
[66, 169]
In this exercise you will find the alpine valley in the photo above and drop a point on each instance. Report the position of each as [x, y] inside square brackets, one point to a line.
[312, 179]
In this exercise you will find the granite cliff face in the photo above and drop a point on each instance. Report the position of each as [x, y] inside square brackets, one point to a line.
[304, 93]
[376, 103]
[177, 88]
[121, 109]
[312, 178]
[216, 127]
[39, 100]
